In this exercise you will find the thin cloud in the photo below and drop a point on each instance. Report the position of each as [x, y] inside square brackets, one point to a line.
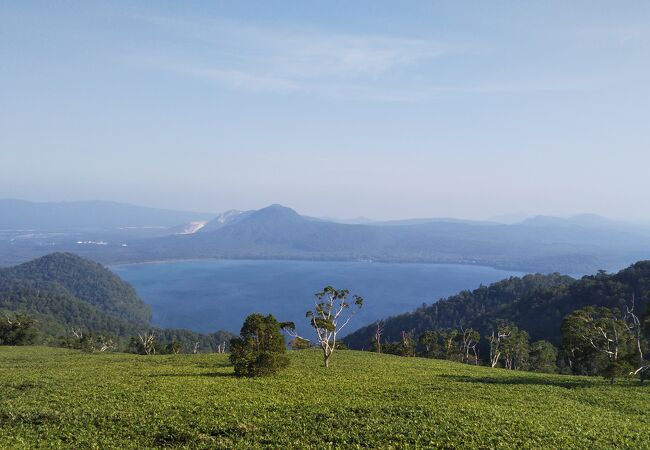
[237, 78]
[358, 67]
[301, 53]
[613, 35]
[429, 93]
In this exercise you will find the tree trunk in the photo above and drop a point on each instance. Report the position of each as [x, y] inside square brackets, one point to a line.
[326, 357]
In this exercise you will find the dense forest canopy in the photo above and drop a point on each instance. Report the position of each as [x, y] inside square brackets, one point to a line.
[535, 303]
[88, 281]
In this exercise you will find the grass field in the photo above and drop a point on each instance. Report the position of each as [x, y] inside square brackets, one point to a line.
[62, 398]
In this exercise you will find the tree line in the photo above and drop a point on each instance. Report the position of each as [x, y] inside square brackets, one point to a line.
[594, 340]
[609, 342]
[535, 303]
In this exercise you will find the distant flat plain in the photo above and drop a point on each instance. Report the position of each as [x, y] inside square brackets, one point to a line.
[210, 295]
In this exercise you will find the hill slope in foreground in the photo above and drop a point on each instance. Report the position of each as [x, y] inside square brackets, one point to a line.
[62, 398]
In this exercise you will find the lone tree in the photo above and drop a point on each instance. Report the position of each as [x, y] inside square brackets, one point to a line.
[260, 349]
[330, 315]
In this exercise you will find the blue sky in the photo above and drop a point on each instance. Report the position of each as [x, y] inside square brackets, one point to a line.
[381, 109]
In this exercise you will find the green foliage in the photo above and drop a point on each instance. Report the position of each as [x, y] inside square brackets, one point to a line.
[260, 349]
[191, 340]
[17, 329]
[62, 291]
[174, 348]
[330, 316]
[543, 357]
[88, 342]
[598, 341]
[58, 398]
[514, 349]
[298, 343]
[88, 281]
[616, 369]
[453, 345]
[441, 344]
[511, 299]
[535, 303]
[329, 302]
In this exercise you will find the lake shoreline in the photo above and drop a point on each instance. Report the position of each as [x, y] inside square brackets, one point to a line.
[346, 261]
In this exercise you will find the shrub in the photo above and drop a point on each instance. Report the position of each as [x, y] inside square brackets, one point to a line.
[260, 350]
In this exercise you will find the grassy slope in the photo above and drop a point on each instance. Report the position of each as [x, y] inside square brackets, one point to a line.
[54, 397]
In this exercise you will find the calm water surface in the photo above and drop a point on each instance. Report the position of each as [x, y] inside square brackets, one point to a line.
[218, 294]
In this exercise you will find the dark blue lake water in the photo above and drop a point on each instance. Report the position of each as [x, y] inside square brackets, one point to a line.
[215, 295]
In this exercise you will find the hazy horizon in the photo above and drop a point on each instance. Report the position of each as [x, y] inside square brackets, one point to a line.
[514, 217]
[372, 108]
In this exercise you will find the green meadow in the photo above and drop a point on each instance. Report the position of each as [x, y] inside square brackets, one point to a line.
[57, 398]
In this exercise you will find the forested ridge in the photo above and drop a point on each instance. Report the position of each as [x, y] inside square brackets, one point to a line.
[535, 303]
[63, 292]
[88, 281]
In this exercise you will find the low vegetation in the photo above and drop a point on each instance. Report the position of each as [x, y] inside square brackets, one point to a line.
[260, 349]
[53, 397]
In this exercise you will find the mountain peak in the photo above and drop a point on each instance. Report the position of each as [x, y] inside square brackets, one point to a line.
[276, 207]
[59, 259]
[85, 280]
[277, 210]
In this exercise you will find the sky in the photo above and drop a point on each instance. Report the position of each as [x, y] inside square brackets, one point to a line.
[374, 108]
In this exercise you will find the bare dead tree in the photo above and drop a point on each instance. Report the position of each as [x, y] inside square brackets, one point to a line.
[106, 344]
[496, 339]
[77, 333]
[148, 342]
[408, 345]
[378, 332]
[470, 339]
[15, 321]
[635, 326]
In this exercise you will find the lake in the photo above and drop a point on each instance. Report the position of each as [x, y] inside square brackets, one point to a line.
[212, 295]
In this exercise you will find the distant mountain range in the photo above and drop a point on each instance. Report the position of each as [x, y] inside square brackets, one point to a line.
[23, 215]
[579, 244]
